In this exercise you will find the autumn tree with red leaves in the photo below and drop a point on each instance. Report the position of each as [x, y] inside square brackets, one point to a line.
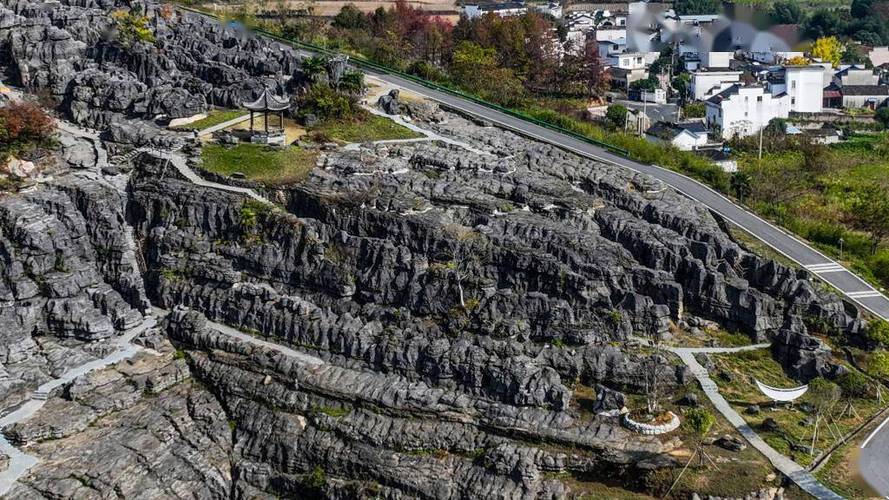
[23, 124]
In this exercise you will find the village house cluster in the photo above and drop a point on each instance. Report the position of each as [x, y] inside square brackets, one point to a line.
[743, 77]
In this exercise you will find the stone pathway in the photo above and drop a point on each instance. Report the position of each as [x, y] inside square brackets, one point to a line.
[428, 134]
[803, 478]
[19, 461]
[181, 164]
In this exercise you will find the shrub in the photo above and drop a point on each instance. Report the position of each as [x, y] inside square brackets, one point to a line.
[878, 365]
[694, 110]
[616, 116]
[854, 384]
[698, 421]
[316, 479]
[24, 122]
[132, 26]
[326, 104]
[878, 331]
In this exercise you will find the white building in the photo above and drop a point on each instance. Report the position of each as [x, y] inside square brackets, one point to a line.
[854, 75]
[684, 136]
[773, 57]
[609, 49]
[707, 83]
[716, 59]
[628, 61]
[879, 56]
[742, 111]
[865, 96]
[505, 9]
[553, 9]
[804, 85]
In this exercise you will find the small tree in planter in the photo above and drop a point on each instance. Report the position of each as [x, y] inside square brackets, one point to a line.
[651, 369]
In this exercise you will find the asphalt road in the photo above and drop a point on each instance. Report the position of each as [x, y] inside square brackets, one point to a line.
[853, 287]
[873, 461]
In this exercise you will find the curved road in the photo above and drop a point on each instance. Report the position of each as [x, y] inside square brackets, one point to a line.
[873, 461]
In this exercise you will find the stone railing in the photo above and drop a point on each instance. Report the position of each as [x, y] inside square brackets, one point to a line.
[651, 429]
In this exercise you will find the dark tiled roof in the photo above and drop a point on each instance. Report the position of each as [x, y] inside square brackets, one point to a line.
[695, 127]
[866, 90]
[725, 94]
[268, 102]
[663, 130]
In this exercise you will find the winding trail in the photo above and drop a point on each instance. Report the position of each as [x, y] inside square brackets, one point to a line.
[19, 461]
[803, 478]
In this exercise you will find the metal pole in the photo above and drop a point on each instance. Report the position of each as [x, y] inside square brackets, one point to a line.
[760, 142]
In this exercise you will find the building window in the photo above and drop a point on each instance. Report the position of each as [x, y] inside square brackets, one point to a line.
[759, 98]
[793, 84]
[793, 100]
[745, 114]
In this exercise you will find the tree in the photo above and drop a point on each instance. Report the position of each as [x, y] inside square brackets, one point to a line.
[861, 8]
[616, 116]
[823, 395]
[475, 69]
[131, 26]
[682, 84]
[464, 256]
[352, 83]
[869, 211]
[854, 384]
[350, 18]
[878, 332]
[878, 365]
[828, 49]
[853, 55]
[314, 67]
[787, 12]
[797, 61]
[882, 116]
[683, 7]
[741, 185]
[694, 110]
[697, 422]
[824, 23]
[23, 125]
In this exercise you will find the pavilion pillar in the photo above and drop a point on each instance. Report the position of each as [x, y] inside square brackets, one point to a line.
[251, 121]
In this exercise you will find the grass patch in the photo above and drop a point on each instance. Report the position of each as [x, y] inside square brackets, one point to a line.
[740, 390]
[260, 163]
[214, 117]
[368, 129]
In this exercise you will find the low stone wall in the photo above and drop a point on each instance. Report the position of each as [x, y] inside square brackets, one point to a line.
[649, 429]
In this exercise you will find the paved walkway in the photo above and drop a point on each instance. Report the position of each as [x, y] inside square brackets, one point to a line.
[19, 461]
[181, 164]
[788, 467]
[224, 125]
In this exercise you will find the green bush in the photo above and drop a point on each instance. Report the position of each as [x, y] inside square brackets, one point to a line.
[878, 365]
[327, 104]
[878, 331]
[698, 421]
[854, 384]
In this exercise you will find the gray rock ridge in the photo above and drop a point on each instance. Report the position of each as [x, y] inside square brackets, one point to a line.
[62, 49]
[65, 281]
[286, 408]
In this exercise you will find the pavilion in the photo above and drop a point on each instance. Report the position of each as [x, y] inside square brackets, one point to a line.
[265, 104]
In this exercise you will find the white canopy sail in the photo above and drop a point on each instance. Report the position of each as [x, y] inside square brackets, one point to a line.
[777, 394]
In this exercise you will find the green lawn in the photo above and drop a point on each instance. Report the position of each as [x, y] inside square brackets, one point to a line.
[371, 128]
[260, 163]
[214, 117]
[817, 207]
[741, 391]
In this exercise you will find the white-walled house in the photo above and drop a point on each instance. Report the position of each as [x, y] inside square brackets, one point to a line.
[804, 85]
[716, 59]
[707, 83]
[865, 96]
[742, 111]
[855, 76]
[684, 136]
[504, 9]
